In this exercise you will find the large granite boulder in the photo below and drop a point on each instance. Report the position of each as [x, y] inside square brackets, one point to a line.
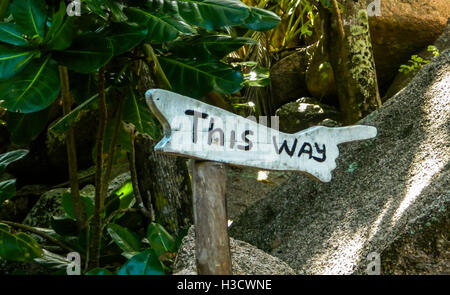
[383, 191]
[245, 259]
[304, 113]
[404, 28]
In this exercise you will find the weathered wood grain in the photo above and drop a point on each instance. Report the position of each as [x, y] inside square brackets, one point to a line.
[197, 130]
[210, 217]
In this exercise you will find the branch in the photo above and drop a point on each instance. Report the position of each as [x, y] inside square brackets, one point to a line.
[80, 212]
[39, 233]
[158, 71]
[339, 19]
[99, 200]
[132, 162]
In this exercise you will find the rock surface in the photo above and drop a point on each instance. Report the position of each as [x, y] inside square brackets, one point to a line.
[404, 28]
[304, 113]
[402, 79]
[382, 189]
[245, 259]
[288, 77]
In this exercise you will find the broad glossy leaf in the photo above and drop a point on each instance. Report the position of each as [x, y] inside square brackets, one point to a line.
[261, 19]
[7, 190]
[8, 158]
[99, 272]
[33, 89]
[68, 205]
[64, 226]
[24, 128]
[53, 261]
[209, 14]
[136, 111]
[161, 27]
[144, 263]
[19, 247]
[30, 15]
[208, 47]
[196, 78]
[125, 37]
[61, 31]
[88, 53]
[11, 34]
[13, 60]
[127, 240]
[66, 122]
[160, 240]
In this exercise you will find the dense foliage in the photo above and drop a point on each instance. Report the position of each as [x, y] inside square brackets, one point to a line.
[94, 61]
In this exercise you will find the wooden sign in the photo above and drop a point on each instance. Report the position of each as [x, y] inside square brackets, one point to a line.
[197, 130]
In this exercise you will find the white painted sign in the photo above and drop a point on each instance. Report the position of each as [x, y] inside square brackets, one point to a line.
[197, 130]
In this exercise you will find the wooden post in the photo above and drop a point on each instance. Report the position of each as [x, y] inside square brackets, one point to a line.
[210, 216]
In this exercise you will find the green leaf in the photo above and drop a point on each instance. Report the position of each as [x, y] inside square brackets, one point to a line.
[99, 272]
[61, 31]
[144, 263]
[53, 261]
[88, 53]
[66, 122]
[261, 19]
[68, 205]
[258, 77]
[20, 247]
[13, 60]
[160, 240]
[11, 34]
[125, 194]
[7, 190]
[125, 37]
[64, 226]
[33, 89]
[127, 241]
[209, 14]
[24, 128]
[136, 111]
[30, 15]
[208, 47]
[161, 27]
[8, 158]
[194, 79]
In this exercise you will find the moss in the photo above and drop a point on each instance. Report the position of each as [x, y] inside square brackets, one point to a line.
[361, 56]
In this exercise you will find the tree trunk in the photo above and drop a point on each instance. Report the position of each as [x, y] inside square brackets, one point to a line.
[163, 180]
[347, 39]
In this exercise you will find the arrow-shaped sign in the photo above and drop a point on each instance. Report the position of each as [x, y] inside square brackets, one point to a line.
[197, 130]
